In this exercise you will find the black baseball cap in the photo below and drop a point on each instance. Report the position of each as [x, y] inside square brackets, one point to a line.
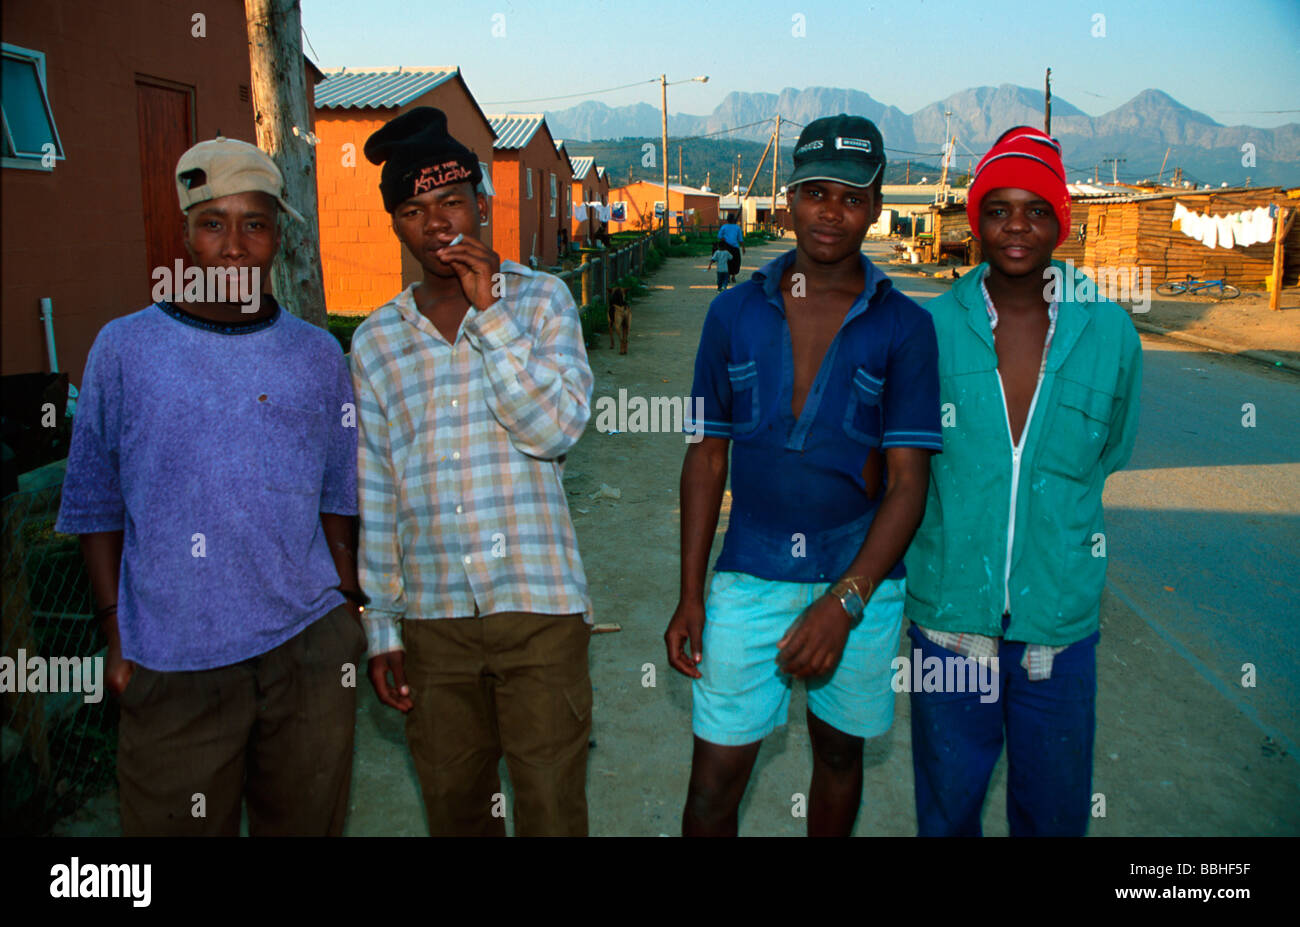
[845, 149]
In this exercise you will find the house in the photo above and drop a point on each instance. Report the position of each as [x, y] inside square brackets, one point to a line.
[1136, 228]
[564, 204]
[532, 178]
[689, 206]
[364, 264]
[590, 185]
[100, 101]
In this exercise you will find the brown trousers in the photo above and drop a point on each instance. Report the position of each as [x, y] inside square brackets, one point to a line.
[276, 729]
[511, 683]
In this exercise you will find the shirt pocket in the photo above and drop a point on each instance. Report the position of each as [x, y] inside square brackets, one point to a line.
[744, 397]
[862, 412]
[1080, 426]
[293, 448]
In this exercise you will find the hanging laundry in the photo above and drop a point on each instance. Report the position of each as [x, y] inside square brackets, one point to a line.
[1224, 226]
[580, 212]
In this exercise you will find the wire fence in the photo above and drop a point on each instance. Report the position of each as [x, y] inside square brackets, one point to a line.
[59, 739]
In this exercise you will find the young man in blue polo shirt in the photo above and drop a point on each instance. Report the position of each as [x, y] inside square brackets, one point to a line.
[822, 381]
[212, 478]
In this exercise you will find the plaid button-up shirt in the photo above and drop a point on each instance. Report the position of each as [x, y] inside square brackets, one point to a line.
[460, 458]
[1038, 658]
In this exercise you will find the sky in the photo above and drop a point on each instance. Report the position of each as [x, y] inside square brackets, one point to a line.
[1237, 62]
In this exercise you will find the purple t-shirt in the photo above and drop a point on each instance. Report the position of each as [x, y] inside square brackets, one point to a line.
[214, 449]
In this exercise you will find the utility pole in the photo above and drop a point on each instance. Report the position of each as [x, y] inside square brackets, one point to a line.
[680, 177]
[776, 159]
[943, 179]
[1114, 164]
[663, 94]
[1095, 169]
[1162, 164]
[1047, 103]
[908, 178]
[283, 131]
[1177, 179]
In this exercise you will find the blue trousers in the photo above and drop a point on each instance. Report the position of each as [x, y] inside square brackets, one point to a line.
[1049, 728]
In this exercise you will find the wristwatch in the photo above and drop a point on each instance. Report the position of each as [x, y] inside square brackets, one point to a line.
[852, 601]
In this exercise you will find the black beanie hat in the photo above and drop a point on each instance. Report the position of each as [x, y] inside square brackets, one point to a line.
[418, 155]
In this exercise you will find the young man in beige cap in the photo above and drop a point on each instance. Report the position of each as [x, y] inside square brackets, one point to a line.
[212, 478]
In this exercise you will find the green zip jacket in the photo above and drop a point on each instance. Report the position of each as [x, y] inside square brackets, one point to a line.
[1082, 427]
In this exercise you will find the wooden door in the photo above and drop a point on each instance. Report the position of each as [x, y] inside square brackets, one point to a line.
[166, 131]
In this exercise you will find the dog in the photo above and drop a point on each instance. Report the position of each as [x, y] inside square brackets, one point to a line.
[620, 317]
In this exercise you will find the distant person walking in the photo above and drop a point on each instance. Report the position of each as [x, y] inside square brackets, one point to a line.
[722, 258]
[733, 240]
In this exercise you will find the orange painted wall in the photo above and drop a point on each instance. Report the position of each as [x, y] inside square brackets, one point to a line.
[364, 264]
[642, 196]
[516, 219]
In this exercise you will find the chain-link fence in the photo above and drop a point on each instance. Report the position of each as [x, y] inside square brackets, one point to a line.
[59, 740]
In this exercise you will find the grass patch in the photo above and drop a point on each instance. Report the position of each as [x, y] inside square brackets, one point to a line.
[343, 327]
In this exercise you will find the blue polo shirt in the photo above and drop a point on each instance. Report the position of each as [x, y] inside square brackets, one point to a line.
[731, 234]
[799, 507]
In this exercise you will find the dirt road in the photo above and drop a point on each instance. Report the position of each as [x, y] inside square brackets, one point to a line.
[1173, 755]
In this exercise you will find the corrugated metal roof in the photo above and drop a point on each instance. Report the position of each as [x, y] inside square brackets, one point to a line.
[581, 165]
[600, 171]
[515, 130]
[673, 187]
[375, 88]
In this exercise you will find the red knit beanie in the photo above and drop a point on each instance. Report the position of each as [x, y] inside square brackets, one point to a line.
[1024, 159]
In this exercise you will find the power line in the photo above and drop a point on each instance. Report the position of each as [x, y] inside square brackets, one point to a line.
[570, 96]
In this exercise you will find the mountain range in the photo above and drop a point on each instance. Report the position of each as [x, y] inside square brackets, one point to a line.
[1139, 131]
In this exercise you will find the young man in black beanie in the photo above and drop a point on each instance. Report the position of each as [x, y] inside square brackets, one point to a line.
[472, 385]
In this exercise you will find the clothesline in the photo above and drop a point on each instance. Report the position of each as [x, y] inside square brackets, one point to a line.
[1239, 229]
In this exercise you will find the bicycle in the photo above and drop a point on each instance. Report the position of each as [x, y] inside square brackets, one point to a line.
[1192, 285]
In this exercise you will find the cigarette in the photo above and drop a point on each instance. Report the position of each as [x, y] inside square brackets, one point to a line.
[457, 240]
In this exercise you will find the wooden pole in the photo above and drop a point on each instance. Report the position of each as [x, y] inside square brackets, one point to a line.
[757, 169]
[1047, 103]
[1162, 164]
[279, 108]
[663, 99]
[1281, 229]
[776, 159]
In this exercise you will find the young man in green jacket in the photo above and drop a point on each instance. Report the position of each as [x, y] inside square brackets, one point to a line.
[1039, 399]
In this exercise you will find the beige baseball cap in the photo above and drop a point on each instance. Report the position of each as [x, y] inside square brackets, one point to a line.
[224, 166]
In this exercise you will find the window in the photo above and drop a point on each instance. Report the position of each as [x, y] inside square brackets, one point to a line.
[530, 183]
[31, 140]
[554, 195]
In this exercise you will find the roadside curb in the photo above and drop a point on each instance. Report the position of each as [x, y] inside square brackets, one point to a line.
[1260, 357]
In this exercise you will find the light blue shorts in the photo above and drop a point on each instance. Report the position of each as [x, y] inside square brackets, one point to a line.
[743, 696]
